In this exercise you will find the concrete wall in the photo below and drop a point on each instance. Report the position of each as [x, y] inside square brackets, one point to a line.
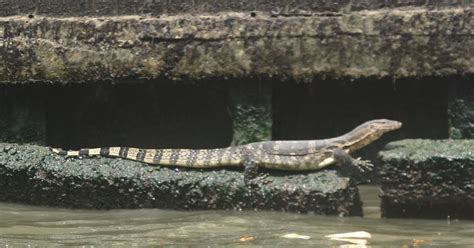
[411, 42]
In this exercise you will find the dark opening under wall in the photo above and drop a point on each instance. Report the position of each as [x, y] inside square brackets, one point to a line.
[182, 115]
[22, 117]
[149, 115]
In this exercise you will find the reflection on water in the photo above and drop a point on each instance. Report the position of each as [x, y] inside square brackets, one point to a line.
[22, 225]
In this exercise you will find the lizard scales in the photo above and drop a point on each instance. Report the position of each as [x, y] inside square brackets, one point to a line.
[298, 155]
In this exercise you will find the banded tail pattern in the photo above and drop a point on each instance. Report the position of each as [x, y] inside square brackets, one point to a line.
[193, 158]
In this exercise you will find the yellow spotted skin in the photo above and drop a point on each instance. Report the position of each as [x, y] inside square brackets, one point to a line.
[298, 155]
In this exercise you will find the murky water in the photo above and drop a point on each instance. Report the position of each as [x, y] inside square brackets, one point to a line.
[27, 226]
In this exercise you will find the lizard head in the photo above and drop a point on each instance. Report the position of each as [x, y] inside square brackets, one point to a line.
[382, 125]
[369, 131]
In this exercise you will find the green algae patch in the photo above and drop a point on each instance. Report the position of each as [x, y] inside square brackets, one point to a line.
[428, 179]
[34, 175]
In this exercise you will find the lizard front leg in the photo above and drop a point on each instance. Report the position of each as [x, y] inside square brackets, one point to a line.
[349, 162]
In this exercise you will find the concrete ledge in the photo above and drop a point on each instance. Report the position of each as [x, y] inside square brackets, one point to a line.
[32, 174]
[428, 179]
[408, 42]
[156, 7]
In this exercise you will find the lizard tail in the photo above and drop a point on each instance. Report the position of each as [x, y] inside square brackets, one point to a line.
[82, 152]
[59, 151]
[194, 158]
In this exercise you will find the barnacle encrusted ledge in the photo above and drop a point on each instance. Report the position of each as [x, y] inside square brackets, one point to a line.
[428, 179]
[33, 174]
[403, 42]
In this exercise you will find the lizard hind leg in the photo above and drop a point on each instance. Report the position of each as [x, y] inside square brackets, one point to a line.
[250, 171]
[252, 177]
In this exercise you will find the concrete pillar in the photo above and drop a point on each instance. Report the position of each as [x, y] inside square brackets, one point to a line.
[461, 110]
[251, 111]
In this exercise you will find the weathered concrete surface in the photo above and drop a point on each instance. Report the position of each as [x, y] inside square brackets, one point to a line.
[428, 179]
[409, 42]
[134, 7]
[32, 174]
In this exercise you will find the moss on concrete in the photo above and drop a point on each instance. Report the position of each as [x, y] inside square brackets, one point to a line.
[33, 174]
[409, 42]
[428, 179]
[251, 111]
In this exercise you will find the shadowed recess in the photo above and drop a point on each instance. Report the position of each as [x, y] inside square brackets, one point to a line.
[146, 115]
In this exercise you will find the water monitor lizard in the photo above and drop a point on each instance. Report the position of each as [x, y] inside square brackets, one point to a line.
[297, 155]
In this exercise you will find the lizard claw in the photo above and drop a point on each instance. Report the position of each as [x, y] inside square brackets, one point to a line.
[257, 182]
[363, 165]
